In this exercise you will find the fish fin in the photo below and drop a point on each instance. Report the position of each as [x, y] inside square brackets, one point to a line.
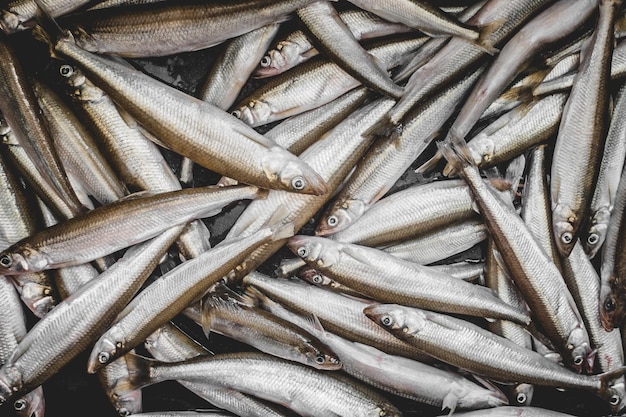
[46, 27]
[139, 370]
[359, 299]
[486, 31]
[313, 323]
[226, 181]
[450, 401]
[254, 297]
[356, 254]
[610, 376]
[514, 173]
[383, 128]
[429, 165]
[277, 222]
[137, 195]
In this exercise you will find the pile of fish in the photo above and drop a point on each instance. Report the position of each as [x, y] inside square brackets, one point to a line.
[412, 204]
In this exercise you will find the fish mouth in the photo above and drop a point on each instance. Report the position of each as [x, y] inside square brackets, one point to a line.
[607, 322]
[315, 184]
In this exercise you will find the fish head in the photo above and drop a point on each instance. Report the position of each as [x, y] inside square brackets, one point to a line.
[31, 405]
[523, 394]
[612, 306]
[581, 355]
[615, 395]
[10, 383]
[564, 226]
[9, 22]
[273, 63]
[254, 113]
[313, 276]
[396, 319]
[385, 409]
[339, 216]
[106, 349]
[318, 251]
[80, 88]
[37, 297]
[292, 174]
[596, 233]
[320, 358]
[482, 149]
[19, 259]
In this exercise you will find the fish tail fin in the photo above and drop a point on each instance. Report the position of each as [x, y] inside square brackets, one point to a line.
[454, 149]
[140, 371]
[607, 377]
[484, 38]
[429, 165]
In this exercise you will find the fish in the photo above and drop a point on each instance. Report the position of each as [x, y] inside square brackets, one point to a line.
[201, 130]
[383, 277]
[571, 184]
[511, 411]
[21, 14]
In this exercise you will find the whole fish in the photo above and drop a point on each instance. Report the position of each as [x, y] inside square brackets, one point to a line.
[76, 322]
[195, 128]
[276, 380]
[400, 376]
[583, 128]
[170, 344]
[447, 338]
[337, 313]
[118, 225]
[180, 287]
[533, 271]
[164, 28]
[383, 277]
[138, 161]
[335, 40]
[608, 176]
[231, 316]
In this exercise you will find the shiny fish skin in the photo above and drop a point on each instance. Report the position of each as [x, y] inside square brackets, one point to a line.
[447, 337]
[21, 14]
[19, 108]
[337, 313]
[509, 411]
[280, 381]
[424, 207]
[582, 134]
[118, 225]
[114, 379]
[333, 157]
[77, 150]
[296, 47]
[440, 243]
[398, 375]
[266, 332]
[535, 274]
[75, 323]
[609, 173]
[169, 295]
[383, 277]
[209, 136]
[389, 158]
[170, 344]
[166, 28]
[138, 161]
[314, 83]
[335, 40]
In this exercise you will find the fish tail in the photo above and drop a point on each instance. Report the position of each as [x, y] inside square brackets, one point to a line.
[140, 371]
[47, 24]
[484, 37]
[429, 165]
[254, 297]
[454, 149]
[607, 377]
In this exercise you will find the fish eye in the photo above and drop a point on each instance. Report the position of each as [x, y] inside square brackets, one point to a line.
[578, 360]
[123, 412]
[592, 239]
[19, 405]
[609, 304]
[298, 183]
[320, 359]
[332, 220]
[6, 261]
[386, 320]
[103, 357]
[614, 400]
[566, 238]
[521, 398]
[266, 61]
[317, 279]
[66, 70]
[302, 252]
[236, 113]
